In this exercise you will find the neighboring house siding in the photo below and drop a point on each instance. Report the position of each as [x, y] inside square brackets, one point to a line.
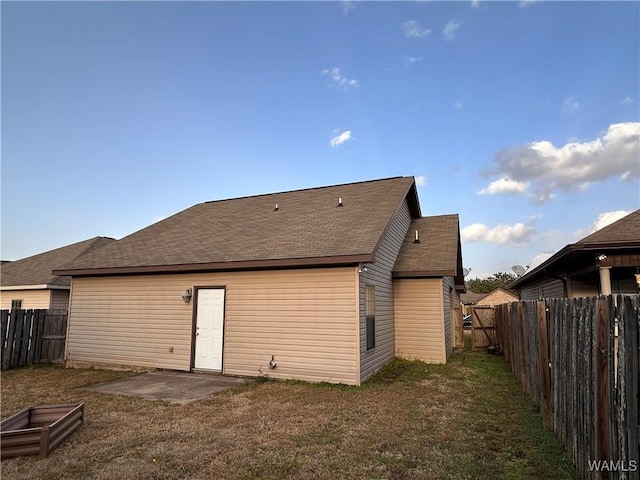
[306, 318]
[419, 330]
[31, 299]
[549, 289]
[582, 289]
[59, 299]
[379, 275]
[450, 299]
[497, 298]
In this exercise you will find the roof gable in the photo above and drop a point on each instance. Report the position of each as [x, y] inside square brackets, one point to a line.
[300, 227]
[438, 251]
[36, 269]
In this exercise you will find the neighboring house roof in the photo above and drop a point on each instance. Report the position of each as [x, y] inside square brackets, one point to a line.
[36, 270]
[307, 228]
[438, 252]
[620, 237]
[626, 230]
[470, 298]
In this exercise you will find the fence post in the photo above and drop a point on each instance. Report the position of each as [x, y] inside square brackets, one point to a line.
[601, 362]
[545, 397]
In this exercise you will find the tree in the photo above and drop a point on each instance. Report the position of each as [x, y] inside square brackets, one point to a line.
[486, 285]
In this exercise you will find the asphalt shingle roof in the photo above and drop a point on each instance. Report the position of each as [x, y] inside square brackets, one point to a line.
[627, 229]
[437, 252]
[307, 225]
[36, 270]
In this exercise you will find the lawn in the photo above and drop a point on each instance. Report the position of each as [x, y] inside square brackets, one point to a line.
[464, 420]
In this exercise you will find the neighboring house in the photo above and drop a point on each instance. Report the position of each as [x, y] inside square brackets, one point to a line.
[299, 284]
[471, 298]
[29, 284]
[605, 262]
[497, 297]
[493, 298]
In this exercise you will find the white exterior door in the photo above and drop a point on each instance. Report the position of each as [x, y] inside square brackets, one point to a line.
[209, 329]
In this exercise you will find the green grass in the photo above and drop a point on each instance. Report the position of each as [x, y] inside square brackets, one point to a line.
[464, 420]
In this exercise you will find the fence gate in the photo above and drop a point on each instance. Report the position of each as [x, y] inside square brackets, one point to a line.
[458, 328]
[483, 326]
[32, 336]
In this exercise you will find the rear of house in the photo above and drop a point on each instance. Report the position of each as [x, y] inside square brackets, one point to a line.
[290, 285]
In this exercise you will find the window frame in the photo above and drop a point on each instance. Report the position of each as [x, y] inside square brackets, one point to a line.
[370, 316]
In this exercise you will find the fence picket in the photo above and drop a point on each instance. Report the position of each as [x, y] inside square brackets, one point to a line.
[23, 334]
[566, 355]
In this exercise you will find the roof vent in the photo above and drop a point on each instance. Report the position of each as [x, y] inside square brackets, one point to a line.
[417, 240]
[340, 202]
[276, 208]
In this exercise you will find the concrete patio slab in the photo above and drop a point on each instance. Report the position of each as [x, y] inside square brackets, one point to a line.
[174, 387]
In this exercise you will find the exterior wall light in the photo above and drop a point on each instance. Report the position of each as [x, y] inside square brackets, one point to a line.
[186, 295]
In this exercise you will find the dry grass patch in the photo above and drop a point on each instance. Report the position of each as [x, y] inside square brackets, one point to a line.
[466, 419]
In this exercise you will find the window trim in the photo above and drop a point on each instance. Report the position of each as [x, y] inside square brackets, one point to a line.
[370, 316]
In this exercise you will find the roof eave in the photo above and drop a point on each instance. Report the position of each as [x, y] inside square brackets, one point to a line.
[423, 274]
[41, 286]
[570, 249]
[331, 261]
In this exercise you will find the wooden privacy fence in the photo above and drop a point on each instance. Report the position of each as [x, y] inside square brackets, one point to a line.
[458, 328]
[483, 329]
[32, 336]
[578, 359]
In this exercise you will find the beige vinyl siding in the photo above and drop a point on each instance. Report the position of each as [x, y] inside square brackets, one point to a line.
[378, 274]
[304, 318]
[419, 330]
[31, 299]
[59, 299]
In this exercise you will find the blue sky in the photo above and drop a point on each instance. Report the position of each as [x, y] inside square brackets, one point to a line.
[522, 117]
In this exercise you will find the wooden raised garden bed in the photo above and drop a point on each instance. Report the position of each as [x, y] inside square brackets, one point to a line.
[39, 430]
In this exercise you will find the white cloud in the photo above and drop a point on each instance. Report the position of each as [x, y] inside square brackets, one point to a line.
[603, 219]
[337, 80]
[525, 3]
[412, 60]
[347, 6]
[451, 29]
[412, 29]
[627, 101]
[541, 257]
[571, 106]
[475, 3]
[505, 186]
[421, 181]
[517, 234]
[458, 105]
[547, 169]
[340, 139]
